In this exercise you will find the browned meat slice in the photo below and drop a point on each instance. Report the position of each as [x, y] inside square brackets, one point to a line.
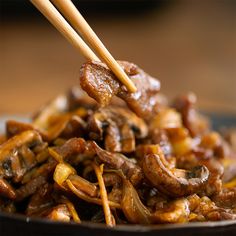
[101, 84]
[118, 127]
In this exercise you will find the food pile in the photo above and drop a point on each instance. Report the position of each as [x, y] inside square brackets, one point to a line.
[119, 158]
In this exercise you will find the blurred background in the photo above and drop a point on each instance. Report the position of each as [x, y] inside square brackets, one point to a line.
[189, 45]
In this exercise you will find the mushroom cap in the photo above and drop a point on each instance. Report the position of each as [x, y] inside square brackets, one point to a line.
[172, 181]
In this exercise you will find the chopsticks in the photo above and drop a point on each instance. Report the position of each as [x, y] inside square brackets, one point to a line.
[51, 13]
[79, 23]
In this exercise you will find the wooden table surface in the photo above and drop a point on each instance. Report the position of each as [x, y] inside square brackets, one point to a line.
[189, 47]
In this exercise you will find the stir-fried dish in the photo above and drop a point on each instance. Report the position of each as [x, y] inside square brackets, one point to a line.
[119, 158]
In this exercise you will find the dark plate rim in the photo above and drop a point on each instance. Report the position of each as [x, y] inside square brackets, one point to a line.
[122, 228]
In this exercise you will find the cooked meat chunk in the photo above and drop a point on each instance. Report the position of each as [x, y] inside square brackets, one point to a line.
[101, 84]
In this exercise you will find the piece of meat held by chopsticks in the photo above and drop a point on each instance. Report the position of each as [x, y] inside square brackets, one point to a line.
[76, 23]
[101, 84]
[81, 162]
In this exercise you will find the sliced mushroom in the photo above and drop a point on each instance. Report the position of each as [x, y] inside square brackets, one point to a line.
[132, 206]
[119, 162]
[201, 156]
[36, 178]
[118, 127]
[75, 150]
[45, 169]
[173, 181]
[216, 171]
[18, 154]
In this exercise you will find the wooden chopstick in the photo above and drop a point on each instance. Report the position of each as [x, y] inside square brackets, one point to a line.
[78, 22]
[72, 14]
[52, 14]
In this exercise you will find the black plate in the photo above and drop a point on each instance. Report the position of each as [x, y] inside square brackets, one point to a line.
[19, 225]
[24, 226]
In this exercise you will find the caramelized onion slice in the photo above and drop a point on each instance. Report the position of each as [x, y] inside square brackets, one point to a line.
[132, 206]
[62, 172]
